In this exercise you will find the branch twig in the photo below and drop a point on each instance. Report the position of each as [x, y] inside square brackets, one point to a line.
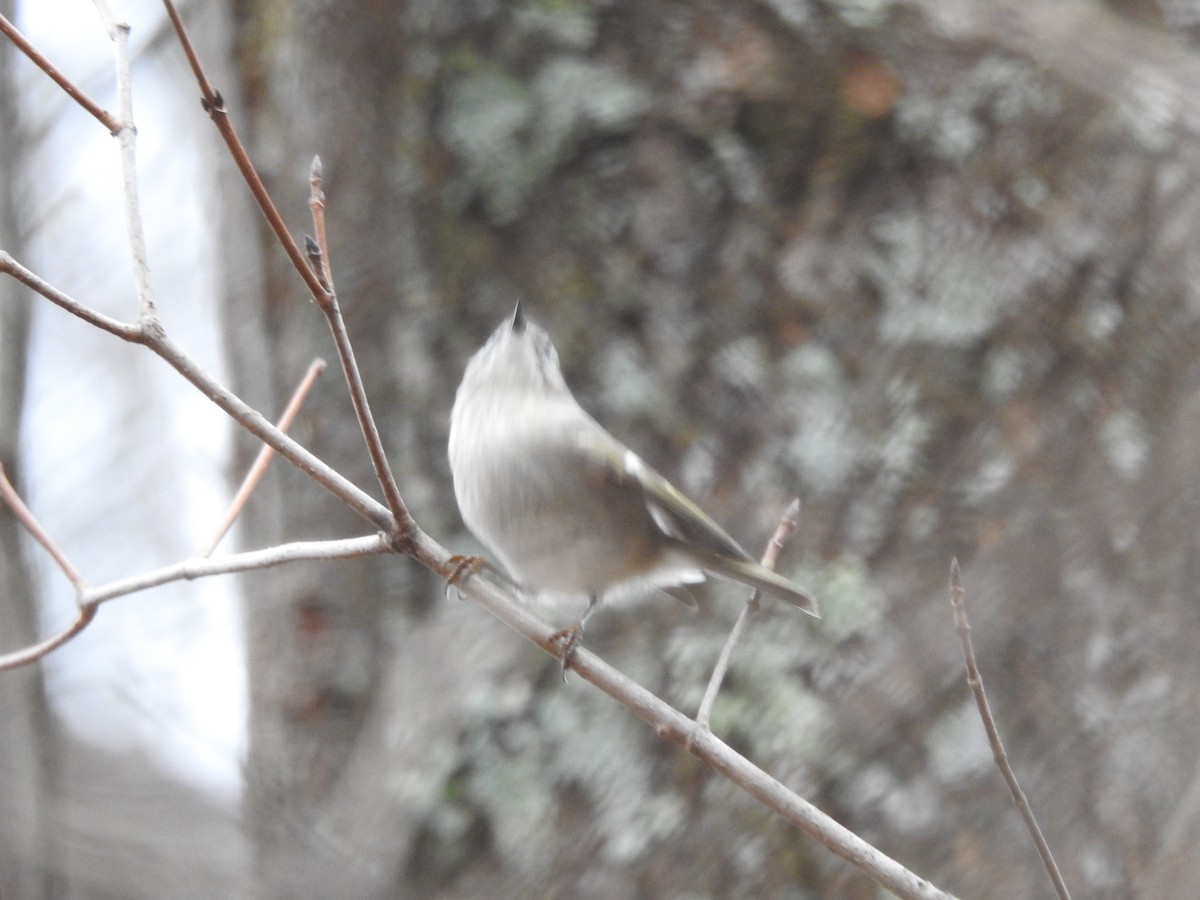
[316, 204]
[249, 418]
[254, 476]
[103, 116]
[198, 567]
[191, 569]
[332, 310]
[322, 295]
[214, 105]
[785, 529]
[29, 521]
[123, 330]
[118, 32]
[975, 681]
[32, 654]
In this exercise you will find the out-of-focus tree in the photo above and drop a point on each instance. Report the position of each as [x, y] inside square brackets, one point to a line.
[28, 745]
[928, 265]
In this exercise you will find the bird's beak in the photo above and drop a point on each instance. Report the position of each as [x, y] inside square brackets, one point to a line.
[517, 324]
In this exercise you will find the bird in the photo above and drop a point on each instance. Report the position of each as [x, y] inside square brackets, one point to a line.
[564, 506]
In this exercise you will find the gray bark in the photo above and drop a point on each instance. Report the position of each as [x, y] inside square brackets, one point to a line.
[927, 265]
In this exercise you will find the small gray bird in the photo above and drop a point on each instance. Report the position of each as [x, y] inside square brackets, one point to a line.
[567, 508]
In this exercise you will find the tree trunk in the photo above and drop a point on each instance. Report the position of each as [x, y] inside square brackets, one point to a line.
[928, 266]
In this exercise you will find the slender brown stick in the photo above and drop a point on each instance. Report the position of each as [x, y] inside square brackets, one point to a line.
[214, 105]
[32, 654]
[103, 116]
[770, 558]
[254, 476]
[975, 681]
[341, 339]
[26, 517]
[254, 422]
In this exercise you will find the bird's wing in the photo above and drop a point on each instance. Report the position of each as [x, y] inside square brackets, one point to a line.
[674, 513]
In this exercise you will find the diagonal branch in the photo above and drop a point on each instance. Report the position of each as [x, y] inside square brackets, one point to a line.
[151, 335]
[103, 116]
[785, 529]
[341, 339]
[975, 682]
[672, 725]
[259, 468]
[27, 519]
[322, 293]
[123, 330]
[214, 105]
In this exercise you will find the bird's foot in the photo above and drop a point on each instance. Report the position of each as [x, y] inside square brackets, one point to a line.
[463, 566]
[570, 638]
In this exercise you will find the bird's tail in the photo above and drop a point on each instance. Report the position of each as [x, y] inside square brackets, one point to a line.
[755, 576]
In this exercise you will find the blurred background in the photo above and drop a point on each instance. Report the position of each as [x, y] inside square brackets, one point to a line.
[929, 266]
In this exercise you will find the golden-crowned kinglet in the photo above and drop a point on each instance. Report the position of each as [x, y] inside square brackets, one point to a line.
[563, 504]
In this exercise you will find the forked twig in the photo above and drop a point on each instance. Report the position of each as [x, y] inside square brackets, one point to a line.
[341, 339]
[322, 294]
[254, 476]
[975, 681]
[214, 105]
[237, 409]
[770, 558]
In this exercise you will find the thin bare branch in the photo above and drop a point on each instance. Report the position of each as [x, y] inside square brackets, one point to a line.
[366, 421]
[199, 567]
[190, 569]
[254, 476]
[315, 259]
[214, 105]
[27, 519]
[254, 422]
[770, 558]
[127, 140]
[152, 336]
[37, 651]
[103, 116]
[123, 330]
[975, 681]
[316, 203]
[341, 339]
